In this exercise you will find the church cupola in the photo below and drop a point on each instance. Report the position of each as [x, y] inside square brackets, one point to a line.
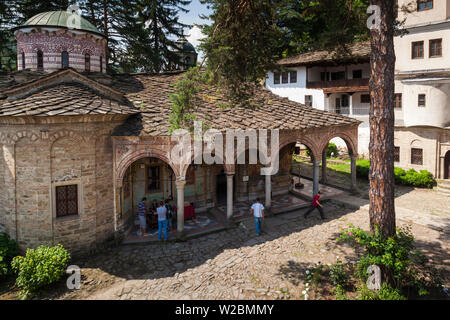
[57, 40]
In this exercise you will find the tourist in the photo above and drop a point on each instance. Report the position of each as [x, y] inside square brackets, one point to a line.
[257, 210]
[316, 205]
[162, 220]
[142, 207]
[169, 215]
[154, 205]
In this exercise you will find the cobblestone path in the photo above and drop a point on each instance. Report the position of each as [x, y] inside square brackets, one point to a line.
[235, 264]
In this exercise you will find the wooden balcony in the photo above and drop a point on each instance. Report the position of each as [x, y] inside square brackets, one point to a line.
[355, 84]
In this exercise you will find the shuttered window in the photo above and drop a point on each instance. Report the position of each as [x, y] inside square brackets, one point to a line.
[66, 200]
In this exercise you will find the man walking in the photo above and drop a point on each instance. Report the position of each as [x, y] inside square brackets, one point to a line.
[142, 207]
[161, 211]
[315, 205]
[257, 210]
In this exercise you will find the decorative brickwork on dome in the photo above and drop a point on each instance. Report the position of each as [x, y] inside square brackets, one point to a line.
[49, 45]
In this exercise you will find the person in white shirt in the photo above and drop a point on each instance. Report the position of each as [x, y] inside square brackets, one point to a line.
[257, 210]
[161, 211]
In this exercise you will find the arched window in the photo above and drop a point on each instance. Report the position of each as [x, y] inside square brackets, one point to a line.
[23, 61]
[101, 63]
[87, 62]
[40, 60]
[64, 59]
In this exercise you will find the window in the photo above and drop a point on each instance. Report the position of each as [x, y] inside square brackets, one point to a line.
[424, 5]
[324, 76]
[436, 48]
[284, 77]
[365, 98]
[398, 100]
[422, 100]
[153, 178]
[276, 78]
[101, 63]
[309, 101]
[87, 62]
[293, 76]
[417, 50]
[340, 75]
[66, 200]
[396, 154]
[40, 60]
[64, 59]
[357, 74]
[416, 156]
[23, 61]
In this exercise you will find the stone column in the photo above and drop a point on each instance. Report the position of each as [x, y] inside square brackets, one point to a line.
[268, 202]
[350, 104]
[354, 187]
[324, 165]
[230, 196]
[316, 165]
[180, 207]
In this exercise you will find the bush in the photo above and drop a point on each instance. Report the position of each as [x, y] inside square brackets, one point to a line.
[39, 268]
[386, 292]
[338, 276]
[422, 179]
[391, 254]
[8, 250]
[332, 148]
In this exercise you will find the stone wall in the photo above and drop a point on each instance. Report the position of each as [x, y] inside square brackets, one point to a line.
[34, 160]
[434, 142]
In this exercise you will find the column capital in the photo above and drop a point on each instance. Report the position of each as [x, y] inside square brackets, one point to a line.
[230, 174]
[180, 183]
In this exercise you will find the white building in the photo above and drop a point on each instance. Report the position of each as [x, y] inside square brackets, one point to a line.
[422, 87]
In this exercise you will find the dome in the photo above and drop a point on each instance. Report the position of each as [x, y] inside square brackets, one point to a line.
[58, 19]
[185, 46]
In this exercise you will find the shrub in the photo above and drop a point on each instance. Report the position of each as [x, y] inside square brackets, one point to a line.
[386, 292]
[422, 179]
[391, 254]
[332, 148]
[8, 250]
[338, 276]
[39, 268]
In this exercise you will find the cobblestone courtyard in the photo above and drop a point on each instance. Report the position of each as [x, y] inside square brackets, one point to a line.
[235, 264]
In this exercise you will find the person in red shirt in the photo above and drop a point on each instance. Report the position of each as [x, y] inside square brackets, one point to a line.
[315, 205]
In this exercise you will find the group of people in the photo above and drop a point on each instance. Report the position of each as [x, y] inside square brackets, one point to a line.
[163, 210]
[257, 209]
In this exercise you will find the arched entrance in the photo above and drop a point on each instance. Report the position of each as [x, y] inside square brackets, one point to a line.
[447, 165]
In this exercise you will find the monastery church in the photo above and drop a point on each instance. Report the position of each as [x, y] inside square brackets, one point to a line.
[79, 147]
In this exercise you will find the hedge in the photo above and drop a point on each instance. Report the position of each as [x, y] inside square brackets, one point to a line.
[422, 179]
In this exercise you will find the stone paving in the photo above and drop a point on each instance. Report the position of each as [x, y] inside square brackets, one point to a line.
[235, 264]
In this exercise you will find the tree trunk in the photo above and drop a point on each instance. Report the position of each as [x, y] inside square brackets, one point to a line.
[381, 148]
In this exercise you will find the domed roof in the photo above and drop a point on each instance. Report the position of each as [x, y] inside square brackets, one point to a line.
[185, 46]
[59, 19]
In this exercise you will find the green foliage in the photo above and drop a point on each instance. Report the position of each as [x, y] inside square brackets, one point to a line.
[8, 250]
[340, 293]
[241, 44]
[386, 292]
[332, 148]
[39, 268]
[392, 253]
[338, 276]
[422, 179]
[184, 99]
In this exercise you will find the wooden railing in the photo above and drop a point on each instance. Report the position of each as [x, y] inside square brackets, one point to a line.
[337, 83]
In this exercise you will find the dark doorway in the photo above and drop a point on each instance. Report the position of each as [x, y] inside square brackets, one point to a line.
[221, 188]
[338, 105]
[447, 165]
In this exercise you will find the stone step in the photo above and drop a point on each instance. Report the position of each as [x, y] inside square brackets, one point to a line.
[443, 182]
[443, 191]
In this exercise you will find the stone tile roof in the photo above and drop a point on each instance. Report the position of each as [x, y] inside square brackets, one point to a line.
[64, 99]
[146, 99]
[151, 94]
[358, 52]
